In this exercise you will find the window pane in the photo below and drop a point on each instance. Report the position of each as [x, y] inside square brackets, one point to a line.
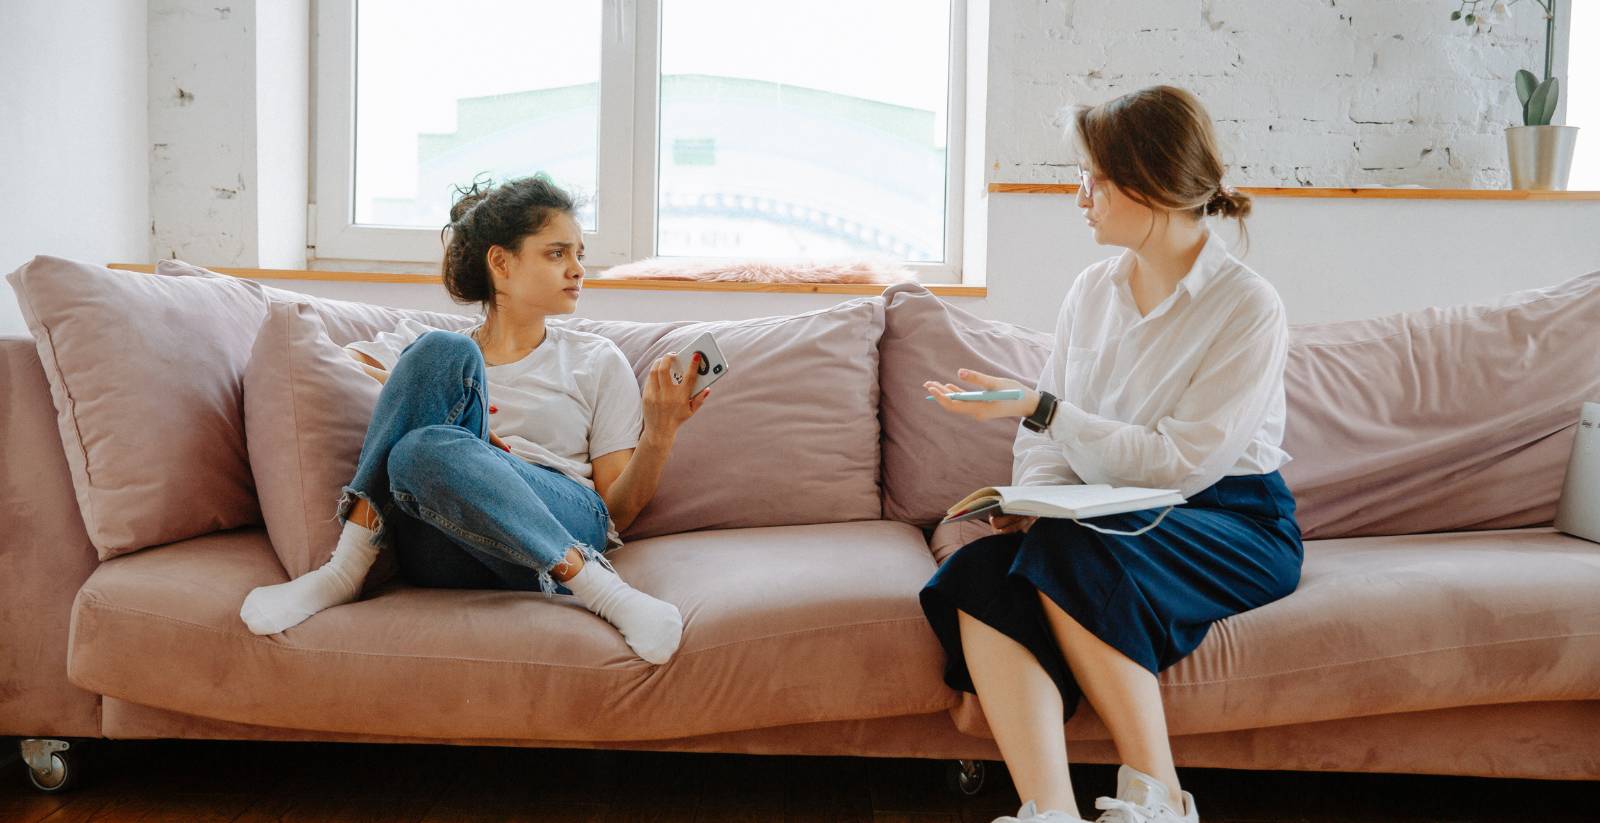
[1582, 88]
[803, 129]
[449, 91]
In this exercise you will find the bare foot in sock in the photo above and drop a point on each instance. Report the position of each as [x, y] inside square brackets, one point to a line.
[271, 609]
[653, 628]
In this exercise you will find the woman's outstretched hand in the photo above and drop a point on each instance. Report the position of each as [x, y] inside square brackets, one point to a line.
[667, 404]
[984, 410]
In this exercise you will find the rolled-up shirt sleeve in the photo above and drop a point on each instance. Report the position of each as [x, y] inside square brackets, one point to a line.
[1209, 428]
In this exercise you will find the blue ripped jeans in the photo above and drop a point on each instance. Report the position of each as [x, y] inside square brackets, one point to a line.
[458, 511]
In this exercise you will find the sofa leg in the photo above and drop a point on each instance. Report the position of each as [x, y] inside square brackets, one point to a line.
[53, 765]
[967, 777]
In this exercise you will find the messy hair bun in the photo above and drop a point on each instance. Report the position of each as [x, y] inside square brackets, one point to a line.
[1229, 202]
[486, 215]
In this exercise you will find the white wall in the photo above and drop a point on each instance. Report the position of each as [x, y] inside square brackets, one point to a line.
[1330, 259]
[74, 173]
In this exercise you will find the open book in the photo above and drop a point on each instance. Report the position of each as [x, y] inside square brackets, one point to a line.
[1074, 501]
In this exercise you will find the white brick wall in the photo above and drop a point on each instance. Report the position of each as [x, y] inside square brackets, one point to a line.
[1304, 92]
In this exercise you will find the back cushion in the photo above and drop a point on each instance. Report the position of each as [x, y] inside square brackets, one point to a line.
[932, 458]
[1441, 419]
[789, 436]
[144, 372]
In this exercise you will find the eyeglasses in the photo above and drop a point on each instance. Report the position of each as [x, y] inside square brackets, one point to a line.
[1086, 184]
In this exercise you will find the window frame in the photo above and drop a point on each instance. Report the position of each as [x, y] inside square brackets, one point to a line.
[627, 170]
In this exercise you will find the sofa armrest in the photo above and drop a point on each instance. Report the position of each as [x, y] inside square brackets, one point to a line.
[45, 556]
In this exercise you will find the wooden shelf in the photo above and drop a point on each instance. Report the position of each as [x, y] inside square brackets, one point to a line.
[1341, 193]
[941, 289]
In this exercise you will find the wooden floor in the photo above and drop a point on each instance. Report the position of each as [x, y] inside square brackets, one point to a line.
[209, 781]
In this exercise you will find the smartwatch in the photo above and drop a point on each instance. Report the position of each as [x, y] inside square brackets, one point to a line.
[1043, 414]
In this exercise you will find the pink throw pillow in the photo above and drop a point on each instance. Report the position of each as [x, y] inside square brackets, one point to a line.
[1442, 419]
[789, 437]
[145, 376]
[306, 409]
[931, 458]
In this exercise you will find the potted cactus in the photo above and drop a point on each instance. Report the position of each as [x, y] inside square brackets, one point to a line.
[1540, 154]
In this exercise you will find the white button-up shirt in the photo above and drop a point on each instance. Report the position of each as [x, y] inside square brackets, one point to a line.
[1176, 399]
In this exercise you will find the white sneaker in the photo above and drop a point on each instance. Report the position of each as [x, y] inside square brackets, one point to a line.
[1143, 799]
[1029, 813]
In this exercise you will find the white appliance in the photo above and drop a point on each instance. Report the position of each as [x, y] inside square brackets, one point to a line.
[1579, 512]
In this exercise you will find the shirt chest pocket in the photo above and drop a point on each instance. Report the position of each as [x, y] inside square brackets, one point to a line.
[1077, 370]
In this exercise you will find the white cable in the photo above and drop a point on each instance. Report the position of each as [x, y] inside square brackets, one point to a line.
[1152, 525]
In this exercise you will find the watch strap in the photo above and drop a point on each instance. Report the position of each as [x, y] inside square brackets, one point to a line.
[1043, 414]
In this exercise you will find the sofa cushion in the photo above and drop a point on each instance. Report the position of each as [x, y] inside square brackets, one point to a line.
[1383, 625]
[145, 376]
[789, 436]
[798, 624]
[1441, 419]
[306, 408]
[932, 459]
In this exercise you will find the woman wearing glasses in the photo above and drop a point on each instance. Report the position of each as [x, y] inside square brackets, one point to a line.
[1167, 372]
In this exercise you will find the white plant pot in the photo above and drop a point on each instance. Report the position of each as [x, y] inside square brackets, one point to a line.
[1541, 156]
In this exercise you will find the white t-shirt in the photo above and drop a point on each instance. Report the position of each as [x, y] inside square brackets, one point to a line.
[572, 399]
[1176, 399]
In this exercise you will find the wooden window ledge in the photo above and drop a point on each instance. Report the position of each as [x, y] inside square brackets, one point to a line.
[603, 283]
[1355, 193]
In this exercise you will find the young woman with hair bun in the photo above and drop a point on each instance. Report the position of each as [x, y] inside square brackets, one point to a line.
[508, 455]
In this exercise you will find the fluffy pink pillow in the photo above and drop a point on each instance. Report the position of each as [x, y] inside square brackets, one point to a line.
[306, 409]
[145, 376]
[1441, 419]
[764, 271]
[790, 436]
[931, 458]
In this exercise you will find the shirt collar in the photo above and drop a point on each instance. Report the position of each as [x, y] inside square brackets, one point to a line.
[1206, 266]
[1212, 257]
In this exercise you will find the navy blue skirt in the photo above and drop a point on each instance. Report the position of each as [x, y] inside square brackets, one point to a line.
[1231, 548]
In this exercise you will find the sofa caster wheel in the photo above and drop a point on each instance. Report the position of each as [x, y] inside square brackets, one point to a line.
[967, 777]
[53, 765]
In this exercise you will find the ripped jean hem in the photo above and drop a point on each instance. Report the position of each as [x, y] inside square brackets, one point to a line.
[347, 501]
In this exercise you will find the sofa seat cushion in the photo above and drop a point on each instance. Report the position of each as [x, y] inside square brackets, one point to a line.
[783, 625]
[1383, 625]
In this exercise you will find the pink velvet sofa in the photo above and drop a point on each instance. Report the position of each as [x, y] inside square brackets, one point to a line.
[1441, 625]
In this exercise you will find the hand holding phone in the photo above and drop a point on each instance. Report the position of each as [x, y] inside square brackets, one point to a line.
[710, 367]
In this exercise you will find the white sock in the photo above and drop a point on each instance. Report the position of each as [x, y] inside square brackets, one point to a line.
[271, 609]
[652, 627]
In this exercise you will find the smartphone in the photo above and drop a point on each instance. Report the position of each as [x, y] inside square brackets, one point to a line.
[985, 396]
[712, 367]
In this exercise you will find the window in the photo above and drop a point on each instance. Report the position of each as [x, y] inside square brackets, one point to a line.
[1581, 88]
[694, 128]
